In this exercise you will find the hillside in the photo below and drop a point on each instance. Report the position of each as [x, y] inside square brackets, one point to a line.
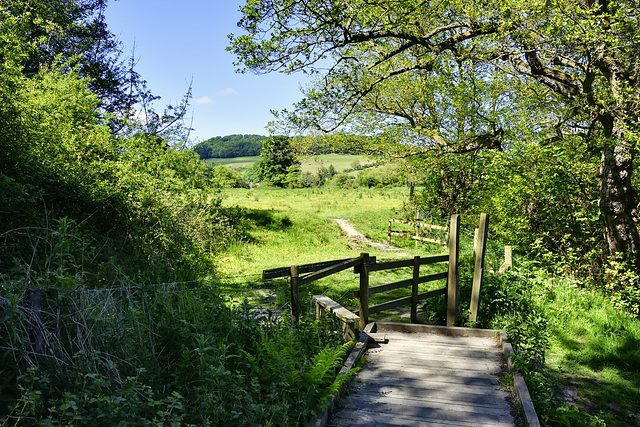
[230, 146]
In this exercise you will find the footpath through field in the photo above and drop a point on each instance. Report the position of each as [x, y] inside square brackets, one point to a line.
[444, 377]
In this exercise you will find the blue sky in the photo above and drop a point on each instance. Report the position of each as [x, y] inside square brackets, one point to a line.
[180, 40]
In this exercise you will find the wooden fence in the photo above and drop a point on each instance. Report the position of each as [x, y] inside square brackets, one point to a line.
[364, 265]
[422, 228]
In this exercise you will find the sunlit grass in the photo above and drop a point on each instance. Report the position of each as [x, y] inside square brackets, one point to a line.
[296, 226]
[595, 352]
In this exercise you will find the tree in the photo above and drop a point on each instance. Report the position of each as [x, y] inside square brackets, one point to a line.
[574, 62]
[75, 32]
[279, 165]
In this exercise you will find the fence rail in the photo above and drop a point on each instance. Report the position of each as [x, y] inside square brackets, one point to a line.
[364, 265]
[419, 230]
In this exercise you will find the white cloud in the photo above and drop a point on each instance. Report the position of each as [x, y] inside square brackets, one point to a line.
[205, 100]
[228, 91]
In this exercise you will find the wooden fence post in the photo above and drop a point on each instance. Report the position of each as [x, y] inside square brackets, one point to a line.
[508, 260]
[34, 302]
[414, 289]
[453, 278]
[480, 245]
[364, 291]
[295, 294]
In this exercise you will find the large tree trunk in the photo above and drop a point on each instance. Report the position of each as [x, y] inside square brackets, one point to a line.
[618, 201]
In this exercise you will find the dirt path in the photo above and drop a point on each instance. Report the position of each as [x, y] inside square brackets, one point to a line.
[356, 236]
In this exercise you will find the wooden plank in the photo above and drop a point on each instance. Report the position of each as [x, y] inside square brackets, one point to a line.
[435, 329]
[479, 397]
[328, 271]
[393, 361]
[525, 400]
[411, 235]
[295, 294]
[380, 419]
[431, 374]
[401, 233]
[427, 409]
[452, 279]
[434, 259]
[390, 265]
[508, 260]
[337, 309]
[389, 305]
[414, 289]
[384, 288]
[480, 246]
[456, 343]
[428, 350]
[419, 221]
[364, 290]
[431, 294]
[275, 273]
[429, 378]
[433, 277]
[406, 283]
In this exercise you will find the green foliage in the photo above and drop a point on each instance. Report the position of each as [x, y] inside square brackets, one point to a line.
[279, 165]
[622, 284]
[382, 176]
[321, 176]
[61, 162]
[297, 386]
[150, 355]
[75, 32]
[230, 146]
[465, 77]
[224, 177]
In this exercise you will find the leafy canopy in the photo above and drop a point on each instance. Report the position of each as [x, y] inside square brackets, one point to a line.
[459, 76]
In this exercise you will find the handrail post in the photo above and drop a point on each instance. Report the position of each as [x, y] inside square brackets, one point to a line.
[414, 289]
[480, 245]
[453, 278]
[364, 291]
[295, 294]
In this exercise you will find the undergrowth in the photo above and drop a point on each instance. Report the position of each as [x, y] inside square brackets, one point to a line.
[153, 356]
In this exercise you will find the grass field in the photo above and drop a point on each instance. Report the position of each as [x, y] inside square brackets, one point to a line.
[296, 226]
[310, 164]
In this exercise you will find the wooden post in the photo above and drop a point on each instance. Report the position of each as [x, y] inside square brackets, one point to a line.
[389, 231]
[295, 294]
[34, 302]
[452, 278]
[364, 290]
[414, 289]
[508, 260]
[480, 249]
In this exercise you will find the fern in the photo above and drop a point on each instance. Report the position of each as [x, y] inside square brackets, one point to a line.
[321, 377]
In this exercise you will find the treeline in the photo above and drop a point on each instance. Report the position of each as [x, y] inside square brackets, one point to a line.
[224, 147]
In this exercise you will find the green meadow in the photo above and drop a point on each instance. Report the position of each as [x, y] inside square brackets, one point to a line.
[340, 162]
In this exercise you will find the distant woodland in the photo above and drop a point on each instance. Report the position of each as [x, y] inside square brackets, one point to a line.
[230, 146]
